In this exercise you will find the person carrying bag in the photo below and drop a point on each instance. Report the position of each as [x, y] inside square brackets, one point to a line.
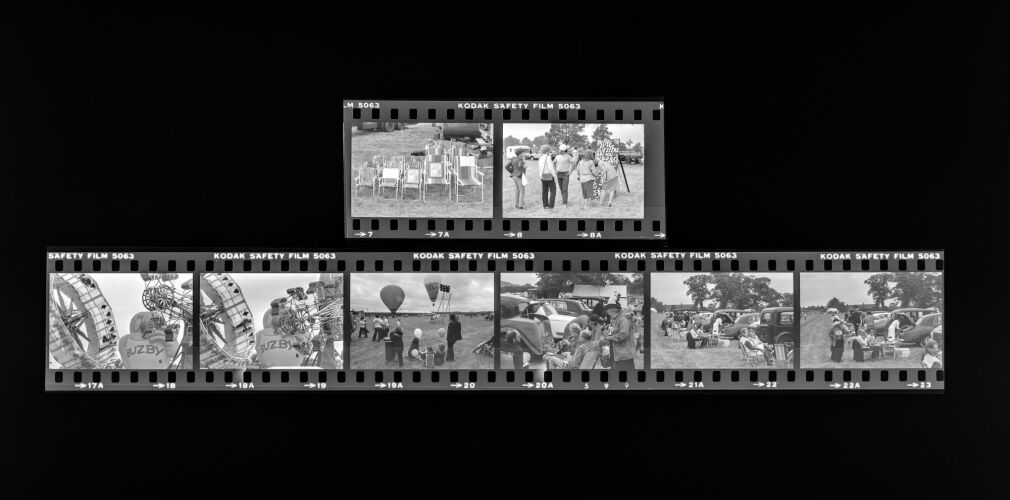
[517, 170]
[548, 175]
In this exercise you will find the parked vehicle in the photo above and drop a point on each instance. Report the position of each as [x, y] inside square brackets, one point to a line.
[878, 321]
[777, 325]
[921, 332]
[703, 318]
[381, 126]
[743, 321]
[518, 314]
[512, 151]
[916, 312]
[569, 307]
[630, 157]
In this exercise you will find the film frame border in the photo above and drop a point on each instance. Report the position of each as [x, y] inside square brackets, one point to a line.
[650, 113]
[646, 379]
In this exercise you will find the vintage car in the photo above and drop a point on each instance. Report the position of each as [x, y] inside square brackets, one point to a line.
[683, 314]
[777, 325]
[519, 317]
[914, 313]
[906, 318]
[569, 307]
[734, 330]
[877, 320]
[728, 317]
[703, 318]
[921, 332]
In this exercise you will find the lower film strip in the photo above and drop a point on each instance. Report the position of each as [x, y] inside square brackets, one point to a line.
[547, 321]
[504, 169]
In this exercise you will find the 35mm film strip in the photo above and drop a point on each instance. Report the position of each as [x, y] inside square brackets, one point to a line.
[504, 170]
[520, 321]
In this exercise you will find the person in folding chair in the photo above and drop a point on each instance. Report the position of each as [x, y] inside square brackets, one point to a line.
[574, 360]
[751, 342]
[931, 358]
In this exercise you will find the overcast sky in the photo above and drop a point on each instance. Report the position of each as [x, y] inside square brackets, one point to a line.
[816, 289]
[531, 278]
[671, 290]
[531, 130]
[470, 291]
[123, 293]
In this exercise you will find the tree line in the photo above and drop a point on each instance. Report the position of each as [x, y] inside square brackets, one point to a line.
[573, 135]
[731, 291]
[899, 290]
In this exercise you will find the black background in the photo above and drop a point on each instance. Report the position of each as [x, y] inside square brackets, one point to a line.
[831, 129]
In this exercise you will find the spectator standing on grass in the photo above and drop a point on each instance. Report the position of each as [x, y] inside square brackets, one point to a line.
[621, 341]
[516, 167]
[396, 337]
[377, 329]
[362, 327]
[586, 176]
[892, 330]
[609, 180]
[547, 178]
[563, 167]
[455, 334]
[837, 340]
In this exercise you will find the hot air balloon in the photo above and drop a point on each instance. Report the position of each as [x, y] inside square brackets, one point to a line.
[432, 282]
[392, 297]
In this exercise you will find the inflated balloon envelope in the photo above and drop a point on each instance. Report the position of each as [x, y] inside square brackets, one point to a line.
[431, 285]
[392, 297]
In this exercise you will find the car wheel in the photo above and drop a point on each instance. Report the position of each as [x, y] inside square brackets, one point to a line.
[784, 337]
[388, 126]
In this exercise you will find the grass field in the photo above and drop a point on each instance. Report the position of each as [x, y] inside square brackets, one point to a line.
[506, 361]
[672, 352]
[626, 205]
[815, 351]
[366, 144]
[366, 354]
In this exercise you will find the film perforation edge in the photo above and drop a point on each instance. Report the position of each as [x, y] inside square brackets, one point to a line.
[805, 378]
[379, 113]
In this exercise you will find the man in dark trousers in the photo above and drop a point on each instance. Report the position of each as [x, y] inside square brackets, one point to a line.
[621, 341]
[454, 333]
[855, 318]
[396, 337]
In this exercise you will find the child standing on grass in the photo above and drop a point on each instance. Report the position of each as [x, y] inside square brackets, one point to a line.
[610, 180]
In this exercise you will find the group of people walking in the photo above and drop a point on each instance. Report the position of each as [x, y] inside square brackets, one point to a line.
[598, 179]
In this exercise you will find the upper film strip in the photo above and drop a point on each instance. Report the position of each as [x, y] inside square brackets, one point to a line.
[500, 169]
[628, 320]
